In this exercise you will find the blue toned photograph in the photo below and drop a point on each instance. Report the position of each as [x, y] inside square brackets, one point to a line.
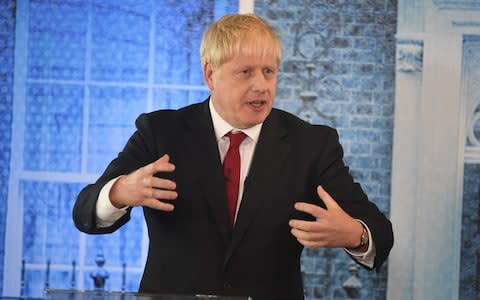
[75, 76]
[398, 80]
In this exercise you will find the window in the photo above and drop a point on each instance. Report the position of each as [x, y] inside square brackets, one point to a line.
[84, 70]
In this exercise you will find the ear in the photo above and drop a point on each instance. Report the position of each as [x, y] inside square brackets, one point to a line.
[208, 75]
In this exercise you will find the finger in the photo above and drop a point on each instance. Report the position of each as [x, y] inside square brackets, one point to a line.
[158, 205]
[164, 158]
[307, 226]
[161, 183]
[310, 209]
[307, 236]
[308, 240]
[311, 244]
[158, 194]
[164, 194]
[326, 198]
[162, 164]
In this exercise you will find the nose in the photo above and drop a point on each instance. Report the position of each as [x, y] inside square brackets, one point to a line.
[259, 82]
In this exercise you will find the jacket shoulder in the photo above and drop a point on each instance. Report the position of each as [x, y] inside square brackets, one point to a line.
[172, 115]
[294, 123]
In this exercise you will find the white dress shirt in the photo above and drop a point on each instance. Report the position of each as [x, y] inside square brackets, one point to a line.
[246, 148]
[107, 214]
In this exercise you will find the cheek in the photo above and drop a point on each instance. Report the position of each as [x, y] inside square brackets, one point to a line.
[273, 86]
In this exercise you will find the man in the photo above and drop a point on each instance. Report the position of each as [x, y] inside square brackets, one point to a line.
[291, 188]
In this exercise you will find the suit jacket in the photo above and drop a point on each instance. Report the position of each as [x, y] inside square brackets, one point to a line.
[192, 250]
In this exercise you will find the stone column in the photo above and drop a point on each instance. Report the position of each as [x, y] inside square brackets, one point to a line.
[408, 92]
[428, 157]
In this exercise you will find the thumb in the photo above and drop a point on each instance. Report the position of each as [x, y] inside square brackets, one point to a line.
[160, 165]
[327, 199]
[164, 158]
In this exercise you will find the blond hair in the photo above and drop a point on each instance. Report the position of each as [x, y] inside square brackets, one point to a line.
[245, 34]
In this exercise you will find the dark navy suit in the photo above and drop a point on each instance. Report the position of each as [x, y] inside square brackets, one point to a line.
[192, 250]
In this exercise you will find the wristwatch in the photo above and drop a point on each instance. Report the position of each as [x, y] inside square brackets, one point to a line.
[364, 237]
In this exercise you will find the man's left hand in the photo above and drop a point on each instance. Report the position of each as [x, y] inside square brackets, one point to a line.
[333, 226]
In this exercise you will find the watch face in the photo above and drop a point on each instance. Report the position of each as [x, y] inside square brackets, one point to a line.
[364, 238]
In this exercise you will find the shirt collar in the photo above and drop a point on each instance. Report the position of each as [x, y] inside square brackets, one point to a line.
[222, 127]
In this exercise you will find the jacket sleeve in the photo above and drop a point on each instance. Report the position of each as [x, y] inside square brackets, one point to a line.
[335, 177]
[139, 151]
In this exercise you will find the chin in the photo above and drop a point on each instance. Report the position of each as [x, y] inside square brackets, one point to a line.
[255, 121]
[254, 118]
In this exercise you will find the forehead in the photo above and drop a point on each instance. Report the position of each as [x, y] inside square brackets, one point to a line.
[247, 59]
[258, 48]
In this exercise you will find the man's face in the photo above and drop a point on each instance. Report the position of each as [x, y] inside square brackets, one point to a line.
[243, 89]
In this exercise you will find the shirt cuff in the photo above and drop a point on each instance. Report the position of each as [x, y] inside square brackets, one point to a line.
[366, 258]
[106, 213]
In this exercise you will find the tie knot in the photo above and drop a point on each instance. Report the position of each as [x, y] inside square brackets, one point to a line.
[236, 138]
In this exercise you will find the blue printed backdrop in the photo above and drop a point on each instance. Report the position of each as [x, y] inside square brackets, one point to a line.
[470, 254]
[338, 69]
[6, 92]
[91, 67]
[85, 69]
[470, 259]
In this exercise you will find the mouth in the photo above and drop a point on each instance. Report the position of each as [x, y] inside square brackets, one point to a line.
[257, 104]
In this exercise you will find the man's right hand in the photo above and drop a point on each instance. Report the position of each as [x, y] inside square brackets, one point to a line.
[142, 188]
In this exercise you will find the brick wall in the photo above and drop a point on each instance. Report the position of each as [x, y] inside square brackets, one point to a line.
[6, 92]
[470, 256]
[338, 69]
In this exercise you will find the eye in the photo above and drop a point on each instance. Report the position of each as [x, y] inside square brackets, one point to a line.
[244, 73]
[269, 72]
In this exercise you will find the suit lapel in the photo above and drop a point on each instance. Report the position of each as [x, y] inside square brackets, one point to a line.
[270, 154]
[206, 158]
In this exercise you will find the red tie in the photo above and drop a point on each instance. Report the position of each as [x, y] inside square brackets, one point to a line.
[231, 171]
